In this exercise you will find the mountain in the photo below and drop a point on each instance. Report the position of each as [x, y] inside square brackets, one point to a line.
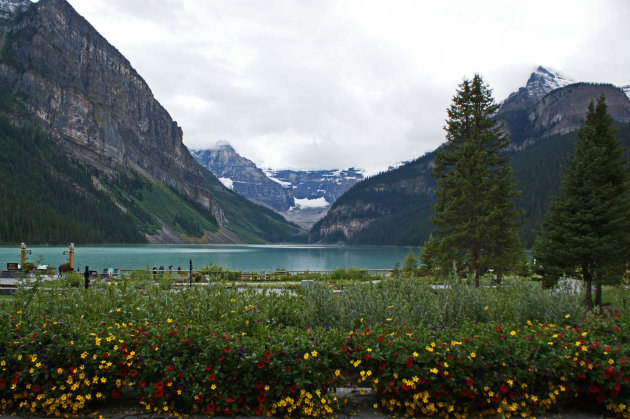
[94, 114]
[626, 90]
[394, 207]
[541, 82]
[301, 196]
[244, 177]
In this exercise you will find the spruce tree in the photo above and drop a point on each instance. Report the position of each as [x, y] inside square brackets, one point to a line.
[475, 217]
[586, 233]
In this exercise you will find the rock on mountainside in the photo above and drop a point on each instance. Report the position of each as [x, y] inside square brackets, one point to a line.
[83, 91]
[559, 112]
[244, 177]
[394, 207]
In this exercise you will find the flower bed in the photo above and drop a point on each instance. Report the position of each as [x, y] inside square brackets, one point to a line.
[62, 364]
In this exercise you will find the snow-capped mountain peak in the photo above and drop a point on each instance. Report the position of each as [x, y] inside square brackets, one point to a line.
[546, 79]
[626, 90]
[542, 81]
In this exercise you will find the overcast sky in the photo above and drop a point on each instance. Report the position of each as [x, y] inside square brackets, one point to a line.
[310, 84]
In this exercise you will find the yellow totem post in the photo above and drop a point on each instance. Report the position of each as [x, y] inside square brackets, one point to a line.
[23, 252]
[70, 253]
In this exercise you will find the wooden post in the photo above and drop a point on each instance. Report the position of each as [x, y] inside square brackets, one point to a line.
[22, 254]
[71, 256]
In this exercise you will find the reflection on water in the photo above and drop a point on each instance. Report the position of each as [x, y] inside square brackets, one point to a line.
[238, 257]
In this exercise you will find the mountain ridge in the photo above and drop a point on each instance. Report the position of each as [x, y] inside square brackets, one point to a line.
[394, 207]
[81, 90]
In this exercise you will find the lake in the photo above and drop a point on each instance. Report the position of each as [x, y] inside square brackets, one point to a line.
[236, 257]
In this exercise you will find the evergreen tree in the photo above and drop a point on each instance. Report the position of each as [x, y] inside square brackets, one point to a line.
[410, 264]
[474, 213]
[586, 233]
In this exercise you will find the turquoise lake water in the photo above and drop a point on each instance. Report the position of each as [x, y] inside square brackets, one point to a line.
[237, 257]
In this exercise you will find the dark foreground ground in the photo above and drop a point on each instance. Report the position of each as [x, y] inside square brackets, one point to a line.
[358, 406]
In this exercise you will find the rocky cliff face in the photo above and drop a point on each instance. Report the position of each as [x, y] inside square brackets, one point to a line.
[244, 177]
[563, 110]
[88, 94]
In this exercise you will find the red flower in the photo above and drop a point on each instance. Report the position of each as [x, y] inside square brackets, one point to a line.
[211, 377]
[503, 389]
[158, 393]
[593, 388]
[227, 350]
[3, 382]
[261, 397]
[367, 356]
[617, 386]
[133, 373]
[469, 382]
[221, 358]
[198, 398]
[210, 407]
[261, 364]
[36, 389]
[267, 354]
[293, 388]
[409, 362]
[170, 368]
[228, 400]
[142, 384]
[115, 393]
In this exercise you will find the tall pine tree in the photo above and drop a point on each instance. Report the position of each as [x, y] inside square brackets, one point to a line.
[475, 217]
[586, 233]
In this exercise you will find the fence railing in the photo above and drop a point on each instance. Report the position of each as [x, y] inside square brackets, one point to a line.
[275, 275]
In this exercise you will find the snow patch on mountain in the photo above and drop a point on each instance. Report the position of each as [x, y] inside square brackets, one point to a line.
[227, 182]
[626, 90]
[8, 8]
[311, 203]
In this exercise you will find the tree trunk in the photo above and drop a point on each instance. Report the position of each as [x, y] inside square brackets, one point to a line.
[598, 295]
[588, 282]
[499, 276]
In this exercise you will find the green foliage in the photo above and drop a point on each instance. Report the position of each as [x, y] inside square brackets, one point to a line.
[410, 264]
[475, 217]
[586, 231]
[47, 200]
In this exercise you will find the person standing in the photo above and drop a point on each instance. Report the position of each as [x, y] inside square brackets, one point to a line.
[86, 275]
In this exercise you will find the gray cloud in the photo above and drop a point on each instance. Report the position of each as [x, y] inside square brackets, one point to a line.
[332, 84]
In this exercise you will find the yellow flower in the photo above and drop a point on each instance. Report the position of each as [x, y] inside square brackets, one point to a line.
[415, 354]
[306, 355]
[485, 308]
[314, 354]
[473, 355]
[611, 361]
[337, 373]
[169, 320]
[567, 316]
[428, 348]
[513, 332]
[434, 370]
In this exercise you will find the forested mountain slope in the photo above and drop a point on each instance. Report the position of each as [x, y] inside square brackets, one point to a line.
[394, 207]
